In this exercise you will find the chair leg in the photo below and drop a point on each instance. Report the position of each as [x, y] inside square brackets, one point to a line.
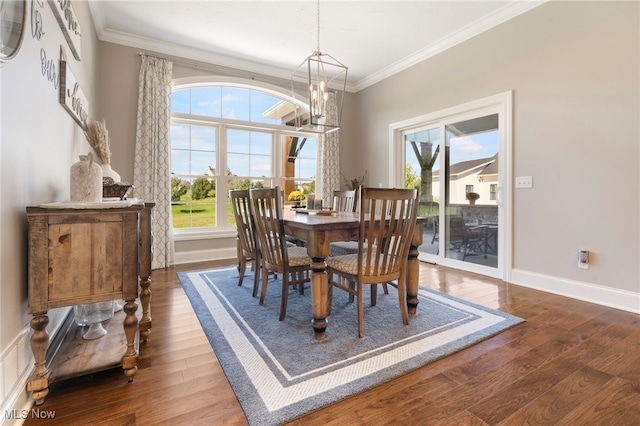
[256, 277]
[385, 288]
[299, 277]
[374, 294]
[360, 310]
[242, 267]
[352, 286]
[265, 277]
[402, 298]
[284, 296]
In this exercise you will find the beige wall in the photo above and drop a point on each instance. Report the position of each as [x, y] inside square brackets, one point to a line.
[39, 141]
[574, 71]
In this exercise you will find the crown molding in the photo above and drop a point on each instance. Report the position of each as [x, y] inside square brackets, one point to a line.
[501, 15]
[498, 17]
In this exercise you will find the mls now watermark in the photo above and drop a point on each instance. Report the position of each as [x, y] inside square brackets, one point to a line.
[34, 413]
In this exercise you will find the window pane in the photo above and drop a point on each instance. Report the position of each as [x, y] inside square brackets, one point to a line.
[180, 136]
[249, 153]
[180, 162]
[206, 101]
[235, 103]
[261, 105]
[180, 101]
[203, 138]
[203, 163]
[197, 207]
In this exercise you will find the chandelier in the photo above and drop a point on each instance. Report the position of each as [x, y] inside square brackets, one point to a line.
[325, 79]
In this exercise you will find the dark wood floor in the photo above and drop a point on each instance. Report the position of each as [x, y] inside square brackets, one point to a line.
[571, 363]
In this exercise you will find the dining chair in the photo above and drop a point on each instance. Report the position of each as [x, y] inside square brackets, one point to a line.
[387, 220]
[247, 244]
[275, 254]
[344, 201]
[347, 201]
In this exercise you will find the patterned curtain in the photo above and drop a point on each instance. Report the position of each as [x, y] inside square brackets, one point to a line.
[152, 164]
[328, 164]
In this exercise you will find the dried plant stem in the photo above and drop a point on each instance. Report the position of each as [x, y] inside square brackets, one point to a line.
[98, 137]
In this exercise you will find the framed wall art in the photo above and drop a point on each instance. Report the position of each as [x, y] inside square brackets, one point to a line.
[69, 24]
[12, 27]
[72, 97]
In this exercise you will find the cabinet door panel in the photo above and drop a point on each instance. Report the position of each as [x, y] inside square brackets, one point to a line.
[84, 259]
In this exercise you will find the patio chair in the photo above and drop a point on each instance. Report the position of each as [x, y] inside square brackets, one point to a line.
[463, 238]
[387, 221]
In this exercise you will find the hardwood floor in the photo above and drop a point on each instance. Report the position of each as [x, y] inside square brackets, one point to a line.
[570, 363]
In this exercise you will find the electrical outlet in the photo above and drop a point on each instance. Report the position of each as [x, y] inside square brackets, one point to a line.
[524, 182]
[583, 259]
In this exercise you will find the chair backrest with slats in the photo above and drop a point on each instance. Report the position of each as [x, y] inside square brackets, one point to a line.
[242, 215]
[266, 209]
[386, 230]
[344, 201]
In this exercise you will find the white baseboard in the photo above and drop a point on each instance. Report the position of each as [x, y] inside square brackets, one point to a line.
[605, 296]
[204, 255]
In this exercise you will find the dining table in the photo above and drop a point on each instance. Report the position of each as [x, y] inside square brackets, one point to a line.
[319, 229]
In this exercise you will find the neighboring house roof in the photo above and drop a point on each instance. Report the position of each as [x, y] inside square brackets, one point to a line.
[491, 168]
[485, 165]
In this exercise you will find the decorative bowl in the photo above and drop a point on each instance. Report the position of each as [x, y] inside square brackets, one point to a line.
[115, 190]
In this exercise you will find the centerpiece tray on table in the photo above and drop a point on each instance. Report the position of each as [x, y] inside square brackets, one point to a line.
[317, 212]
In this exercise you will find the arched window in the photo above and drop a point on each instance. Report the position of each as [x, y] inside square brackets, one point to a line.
[232, 135]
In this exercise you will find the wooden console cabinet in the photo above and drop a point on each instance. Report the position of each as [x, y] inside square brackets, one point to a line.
[79, 256]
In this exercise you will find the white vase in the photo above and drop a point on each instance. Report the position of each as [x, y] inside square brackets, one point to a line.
[86, 180]
[107, 171]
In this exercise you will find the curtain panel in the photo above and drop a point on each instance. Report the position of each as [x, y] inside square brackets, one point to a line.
[328, 163]
[152, 164]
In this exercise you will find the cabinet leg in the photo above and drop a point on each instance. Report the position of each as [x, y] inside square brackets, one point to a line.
[145, 301]
[38, 383]
[130, 358]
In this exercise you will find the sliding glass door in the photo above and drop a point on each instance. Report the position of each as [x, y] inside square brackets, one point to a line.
[459, 161]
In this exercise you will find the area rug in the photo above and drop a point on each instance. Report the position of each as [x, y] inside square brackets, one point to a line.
[278, 370]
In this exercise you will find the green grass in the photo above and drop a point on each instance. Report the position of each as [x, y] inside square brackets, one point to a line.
[202, 213]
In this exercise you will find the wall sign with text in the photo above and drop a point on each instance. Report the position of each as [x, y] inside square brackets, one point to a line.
[72, 97]
[69, 24]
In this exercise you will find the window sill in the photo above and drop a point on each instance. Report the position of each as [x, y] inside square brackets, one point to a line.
[203, 234]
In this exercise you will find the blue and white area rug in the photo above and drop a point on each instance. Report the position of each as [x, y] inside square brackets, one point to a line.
[279, 371]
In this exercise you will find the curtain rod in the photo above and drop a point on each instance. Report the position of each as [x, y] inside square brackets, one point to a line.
[221, 69]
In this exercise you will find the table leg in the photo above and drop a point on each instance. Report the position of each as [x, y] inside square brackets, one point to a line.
[38, 383]
[130, 358]
[319, 285]
[413, 270]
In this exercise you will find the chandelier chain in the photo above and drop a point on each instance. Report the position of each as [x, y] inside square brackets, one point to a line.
[318, 23]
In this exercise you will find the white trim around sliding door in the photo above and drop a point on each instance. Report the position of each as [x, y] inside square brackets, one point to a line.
[501, 104]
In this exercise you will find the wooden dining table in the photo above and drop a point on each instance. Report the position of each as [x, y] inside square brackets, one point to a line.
[319, 230]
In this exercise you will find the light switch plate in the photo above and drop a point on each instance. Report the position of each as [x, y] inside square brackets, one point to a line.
[524, 182]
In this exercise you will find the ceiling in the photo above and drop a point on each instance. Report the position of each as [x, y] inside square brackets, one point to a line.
[375, 39]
